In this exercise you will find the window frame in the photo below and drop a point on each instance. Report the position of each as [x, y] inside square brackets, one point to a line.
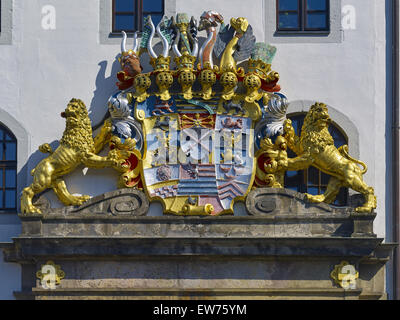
[8, 164]
[139, 13]
[302, 13]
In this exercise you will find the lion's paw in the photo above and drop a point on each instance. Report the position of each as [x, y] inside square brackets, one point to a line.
[78, 200]
[30, 209]
[315, 199]
[364, 209]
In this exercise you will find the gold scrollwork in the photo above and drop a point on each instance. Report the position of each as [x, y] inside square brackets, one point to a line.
[50, 275]
[345, 275]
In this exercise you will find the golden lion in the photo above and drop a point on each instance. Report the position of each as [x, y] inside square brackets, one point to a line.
[76, 146]
[315, 147]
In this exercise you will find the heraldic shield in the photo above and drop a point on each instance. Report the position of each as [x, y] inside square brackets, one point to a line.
[197, 160]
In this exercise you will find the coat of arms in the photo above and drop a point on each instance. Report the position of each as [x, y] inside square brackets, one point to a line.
[200, 130]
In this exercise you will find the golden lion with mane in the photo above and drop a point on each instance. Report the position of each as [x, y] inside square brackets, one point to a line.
[77, 146]
[315, 147]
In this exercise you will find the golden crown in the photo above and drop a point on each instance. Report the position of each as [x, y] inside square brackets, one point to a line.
[127, 54]
[160, 63]
[185, 61]
[259, 67]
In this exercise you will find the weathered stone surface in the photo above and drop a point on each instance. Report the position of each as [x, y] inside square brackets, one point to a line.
[271, 201]
[119, 202]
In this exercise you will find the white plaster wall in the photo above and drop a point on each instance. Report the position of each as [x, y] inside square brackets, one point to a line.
[43, 69]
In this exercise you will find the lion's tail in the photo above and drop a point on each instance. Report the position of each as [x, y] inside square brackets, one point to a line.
[344, 151]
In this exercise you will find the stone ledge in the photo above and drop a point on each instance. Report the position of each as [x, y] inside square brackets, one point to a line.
[277, 226]
[220, 293]
[30, 248]
[272, 213]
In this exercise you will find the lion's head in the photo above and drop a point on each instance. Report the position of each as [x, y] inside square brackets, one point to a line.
[314, 133]
[78, 131]
[318, 116]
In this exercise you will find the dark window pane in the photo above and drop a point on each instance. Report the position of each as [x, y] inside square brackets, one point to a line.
[297, 123]
[10, 178]
[1, 178]
[1, 200]
[295, 126]
[291, 174]
[313, 176]
[288, 5]
[125, 5]
[341, 199]
[317, 5]
[325, 178]
[337, 136]
[313, 191]
[152, 5]
[10, 199]
[2, 146]
[124, 22]
[294, 180]
[316, 20]
[11, 151]
[1, 134]
[288, 20]
[156, 18]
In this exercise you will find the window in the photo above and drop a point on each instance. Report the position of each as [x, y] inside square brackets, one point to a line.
[312, 180]
[8, 170]
[128, 14]
[303, 15]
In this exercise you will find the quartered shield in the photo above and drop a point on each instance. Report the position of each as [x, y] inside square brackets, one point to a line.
[196, 162]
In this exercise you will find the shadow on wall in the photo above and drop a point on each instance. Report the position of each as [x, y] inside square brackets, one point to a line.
[105, 87]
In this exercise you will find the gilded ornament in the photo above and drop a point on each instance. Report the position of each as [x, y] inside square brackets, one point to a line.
[77, 146]
[186, 75]
[189, 209]
[50, 275]
[315, 147]
[164, 77]
[345, 275]
[240, 44]
[207, 79]
[229, 82]
[272, 163]
[142, 83]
